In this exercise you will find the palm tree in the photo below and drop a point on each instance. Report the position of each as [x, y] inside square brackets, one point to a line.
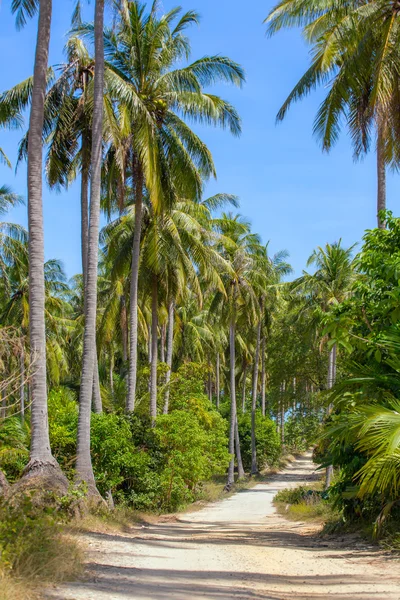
[176, 248]
[164, 155]
[241, 285]
[41, 460]
[355, 51]
[329, 285]
[84, 470]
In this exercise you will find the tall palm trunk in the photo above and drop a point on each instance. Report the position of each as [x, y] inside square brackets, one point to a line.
[232, 424]
[263, 376]
[170, 344]
[96, 394]
[162, 344]
[217, 384]
[280, 417]
[254, 468]
[241, 473]
[22, 382]
[331, 383]
[133, 316]
[124, 329]
[84, 470]
[41, 458]
[111, 372]
[282, 421]
[244, 386]
[84, 207]
[209, 385]
[154, 356]
[381, 172]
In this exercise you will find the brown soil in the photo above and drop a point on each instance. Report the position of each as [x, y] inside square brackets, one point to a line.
[236, 548]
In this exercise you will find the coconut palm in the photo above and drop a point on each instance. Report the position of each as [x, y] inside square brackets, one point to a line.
[164, 155]
[329, 285]
[241, 286]
[41, 460]
[354, 51]
[84, 470]
[176, 249]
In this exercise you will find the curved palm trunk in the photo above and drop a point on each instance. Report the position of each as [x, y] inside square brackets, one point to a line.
[40, 452]
[331, 383]
[381, 173]
[154, 356]
[170, 344]
[217, 384]
[254, 468]
[133, 316]
[231, 469]
[263, 377]
[84, 470]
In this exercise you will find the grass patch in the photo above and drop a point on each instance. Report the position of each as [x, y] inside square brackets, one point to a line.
[305, 503]
[34, 549]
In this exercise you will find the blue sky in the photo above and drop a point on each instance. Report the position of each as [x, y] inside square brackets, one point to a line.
[294, 195]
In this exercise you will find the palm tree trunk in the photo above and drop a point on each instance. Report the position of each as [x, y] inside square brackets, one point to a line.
[232, 360]
[124, 329]
[111, 372]
[154, 356]
[331, 383]
[84, 207]
[217, 390]
[254, 467]
[41, 458]
[170, 344]
[381, 173]
[22, 382]
[244, 387]
[241, 473]
[133, 316]
[84, 470]
[96, 394]
[263, 377]
[162, 343]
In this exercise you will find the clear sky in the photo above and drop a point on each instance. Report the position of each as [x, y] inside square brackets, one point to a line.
[295, 196]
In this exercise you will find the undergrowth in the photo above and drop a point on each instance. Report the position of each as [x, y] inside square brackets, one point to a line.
[306, 503]
[34, 549]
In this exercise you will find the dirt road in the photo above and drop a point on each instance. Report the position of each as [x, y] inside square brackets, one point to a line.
[236, 548]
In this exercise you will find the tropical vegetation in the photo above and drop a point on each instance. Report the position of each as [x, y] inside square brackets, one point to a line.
[184, 351]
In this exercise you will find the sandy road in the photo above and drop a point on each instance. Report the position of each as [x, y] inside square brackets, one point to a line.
[235, 548]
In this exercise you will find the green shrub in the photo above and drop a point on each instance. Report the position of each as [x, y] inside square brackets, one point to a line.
[31, 542]
[301, 431]
[268, 445]
[14, 447]
[158, 468]
[297, 495]
[192, 454]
